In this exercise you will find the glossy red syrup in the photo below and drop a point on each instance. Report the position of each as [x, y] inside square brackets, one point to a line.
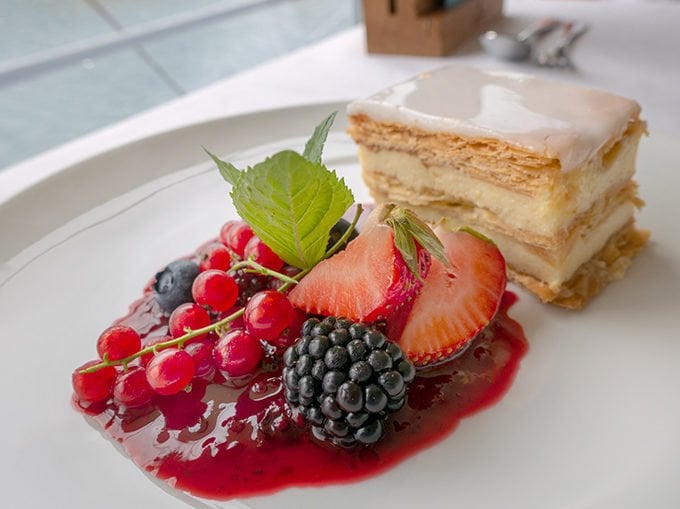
[224, 442]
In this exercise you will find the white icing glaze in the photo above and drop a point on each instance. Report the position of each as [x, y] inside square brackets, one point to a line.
[546, 117]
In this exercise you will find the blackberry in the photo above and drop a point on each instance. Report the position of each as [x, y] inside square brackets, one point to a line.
[248, 284]
[345, 378]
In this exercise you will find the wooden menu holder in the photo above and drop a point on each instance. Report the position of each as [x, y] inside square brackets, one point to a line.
[424, 27]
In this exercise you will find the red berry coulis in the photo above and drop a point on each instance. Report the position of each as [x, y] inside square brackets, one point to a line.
[223, 442]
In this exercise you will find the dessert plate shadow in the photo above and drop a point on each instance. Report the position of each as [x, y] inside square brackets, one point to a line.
[590, 421]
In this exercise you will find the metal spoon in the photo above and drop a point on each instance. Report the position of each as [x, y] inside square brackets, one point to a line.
[557, 55]
[516, 47]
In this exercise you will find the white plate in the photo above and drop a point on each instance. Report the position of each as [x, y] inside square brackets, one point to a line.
[591, 421]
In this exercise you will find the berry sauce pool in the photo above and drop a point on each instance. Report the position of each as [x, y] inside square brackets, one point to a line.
[223, 442]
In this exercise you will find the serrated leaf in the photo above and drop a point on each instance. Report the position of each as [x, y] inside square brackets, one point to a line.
[229, 172]
[292, 203]
[314, 147]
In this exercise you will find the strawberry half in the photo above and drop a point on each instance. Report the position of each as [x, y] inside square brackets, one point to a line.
[367, 281]
[455, 303]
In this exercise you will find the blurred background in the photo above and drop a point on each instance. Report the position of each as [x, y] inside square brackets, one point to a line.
[68, 67]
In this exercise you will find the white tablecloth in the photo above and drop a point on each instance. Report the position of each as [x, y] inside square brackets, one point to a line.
[632, 49]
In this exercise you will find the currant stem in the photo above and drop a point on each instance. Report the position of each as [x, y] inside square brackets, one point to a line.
[260, 269]
[287, 282]
[166, 344]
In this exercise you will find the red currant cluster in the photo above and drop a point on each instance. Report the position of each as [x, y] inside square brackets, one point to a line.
[213, 333]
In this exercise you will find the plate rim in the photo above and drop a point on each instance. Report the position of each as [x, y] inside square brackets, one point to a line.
[34, 210]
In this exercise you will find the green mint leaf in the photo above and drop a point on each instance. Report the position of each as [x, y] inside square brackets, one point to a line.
[314, 147]
[292, 203]
[229, 172]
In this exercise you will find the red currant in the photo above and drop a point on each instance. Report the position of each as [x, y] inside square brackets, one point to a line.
[214, 256]
[118, 342]
[202, 354]
[144, 359]
[132, 389]
[262, 254]
[238, 353]
[267, 314]
[291, 333]
[238, 236]
[170, 371]
[216, 289]
[93, 387]
[224, 231]
[188, 316]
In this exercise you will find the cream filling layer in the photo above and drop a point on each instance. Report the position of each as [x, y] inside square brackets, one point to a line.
[555, 271]
[547, 214]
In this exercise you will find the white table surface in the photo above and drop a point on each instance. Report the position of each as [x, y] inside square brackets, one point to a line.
[632, 49]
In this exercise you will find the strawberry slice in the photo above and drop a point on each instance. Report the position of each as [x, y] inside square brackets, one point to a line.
[455, 303]
[367, 281]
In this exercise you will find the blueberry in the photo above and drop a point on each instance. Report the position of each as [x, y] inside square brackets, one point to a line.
[332, 380]
[318, 346]
[370, 433]
[304, 365]
[350, 397]
[339, 337]
[391, 381]
[407, 370]
[360, 371]
[375, 399]
[374, 339]
[172, 286]
[336, 357]
[379, 360]
[357, 350]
